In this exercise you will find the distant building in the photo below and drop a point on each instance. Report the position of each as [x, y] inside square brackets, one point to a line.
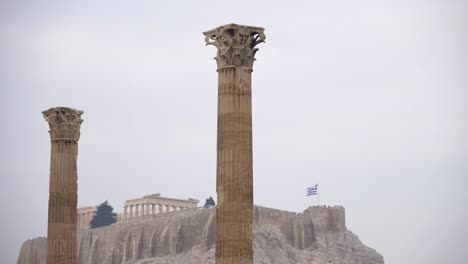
[84, 216]
[153, 204]
[139, 208]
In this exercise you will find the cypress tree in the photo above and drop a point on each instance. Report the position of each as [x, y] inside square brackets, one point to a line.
[209, 202]
[104, 216]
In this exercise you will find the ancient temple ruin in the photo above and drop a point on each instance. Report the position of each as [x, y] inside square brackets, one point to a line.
[138, 209]
[64, 125]
[85, 215]
[152, 204]
[236, 48]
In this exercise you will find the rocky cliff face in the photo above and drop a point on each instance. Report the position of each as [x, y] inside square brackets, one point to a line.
[318, 236]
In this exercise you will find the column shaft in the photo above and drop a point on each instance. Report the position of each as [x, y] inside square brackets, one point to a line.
[234, 167]
[61, 232]
[235, 57]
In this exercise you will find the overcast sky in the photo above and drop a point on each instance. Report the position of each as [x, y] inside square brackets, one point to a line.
[365, 98]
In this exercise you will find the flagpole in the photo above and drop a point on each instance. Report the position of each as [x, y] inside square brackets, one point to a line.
[318, 197]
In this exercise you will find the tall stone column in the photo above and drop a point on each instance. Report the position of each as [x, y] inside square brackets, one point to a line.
[234, 216]
[64, 124]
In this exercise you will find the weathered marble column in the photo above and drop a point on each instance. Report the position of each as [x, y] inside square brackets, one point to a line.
[64, 124]
[235, 58]
[131, 211]
[125, 213]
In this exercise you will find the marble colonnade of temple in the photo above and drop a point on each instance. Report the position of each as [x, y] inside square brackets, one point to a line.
[136, 209]
[85, 215]
[154, 204]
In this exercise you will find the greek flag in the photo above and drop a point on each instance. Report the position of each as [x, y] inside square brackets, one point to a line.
[312, 190]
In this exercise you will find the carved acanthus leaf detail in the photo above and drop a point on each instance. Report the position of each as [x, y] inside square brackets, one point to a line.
[236, 44]
[64, 123]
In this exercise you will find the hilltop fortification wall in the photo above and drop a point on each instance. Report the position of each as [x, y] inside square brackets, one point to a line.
[317, 235]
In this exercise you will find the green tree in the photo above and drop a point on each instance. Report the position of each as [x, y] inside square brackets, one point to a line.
[104, 216]
[209, 202]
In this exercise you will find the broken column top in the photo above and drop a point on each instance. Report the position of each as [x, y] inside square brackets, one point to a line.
[236, 44]
[64, 123]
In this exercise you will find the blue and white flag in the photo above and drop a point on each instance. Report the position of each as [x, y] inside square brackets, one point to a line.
[312, 190]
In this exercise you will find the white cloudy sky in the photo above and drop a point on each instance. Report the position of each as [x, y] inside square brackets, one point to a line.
[366, 98]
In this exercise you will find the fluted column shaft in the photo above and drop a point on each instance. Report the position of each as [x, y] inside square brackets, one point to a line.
[234, 177]
[234, 168]
[61, 232]
[64, 126]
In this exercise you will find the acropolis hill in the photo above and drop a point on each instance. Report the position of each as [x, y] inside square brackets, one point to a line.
[318, 236]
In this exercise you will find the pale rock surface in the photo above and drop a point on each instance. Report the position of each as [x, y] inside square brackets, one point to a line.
[317, 236]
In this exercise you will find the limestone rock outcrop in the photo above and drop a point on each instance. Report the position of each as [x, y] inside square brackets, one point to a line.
[318, 236]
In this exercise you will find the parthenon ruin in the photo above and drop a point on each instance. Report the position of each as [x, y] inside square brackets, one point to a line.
[154, 204]
[138, 209]
[84, 216]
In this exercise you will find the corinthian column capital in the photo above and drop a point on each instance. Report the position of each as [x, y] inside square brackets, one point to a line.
[236, 44]
[64, 123]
